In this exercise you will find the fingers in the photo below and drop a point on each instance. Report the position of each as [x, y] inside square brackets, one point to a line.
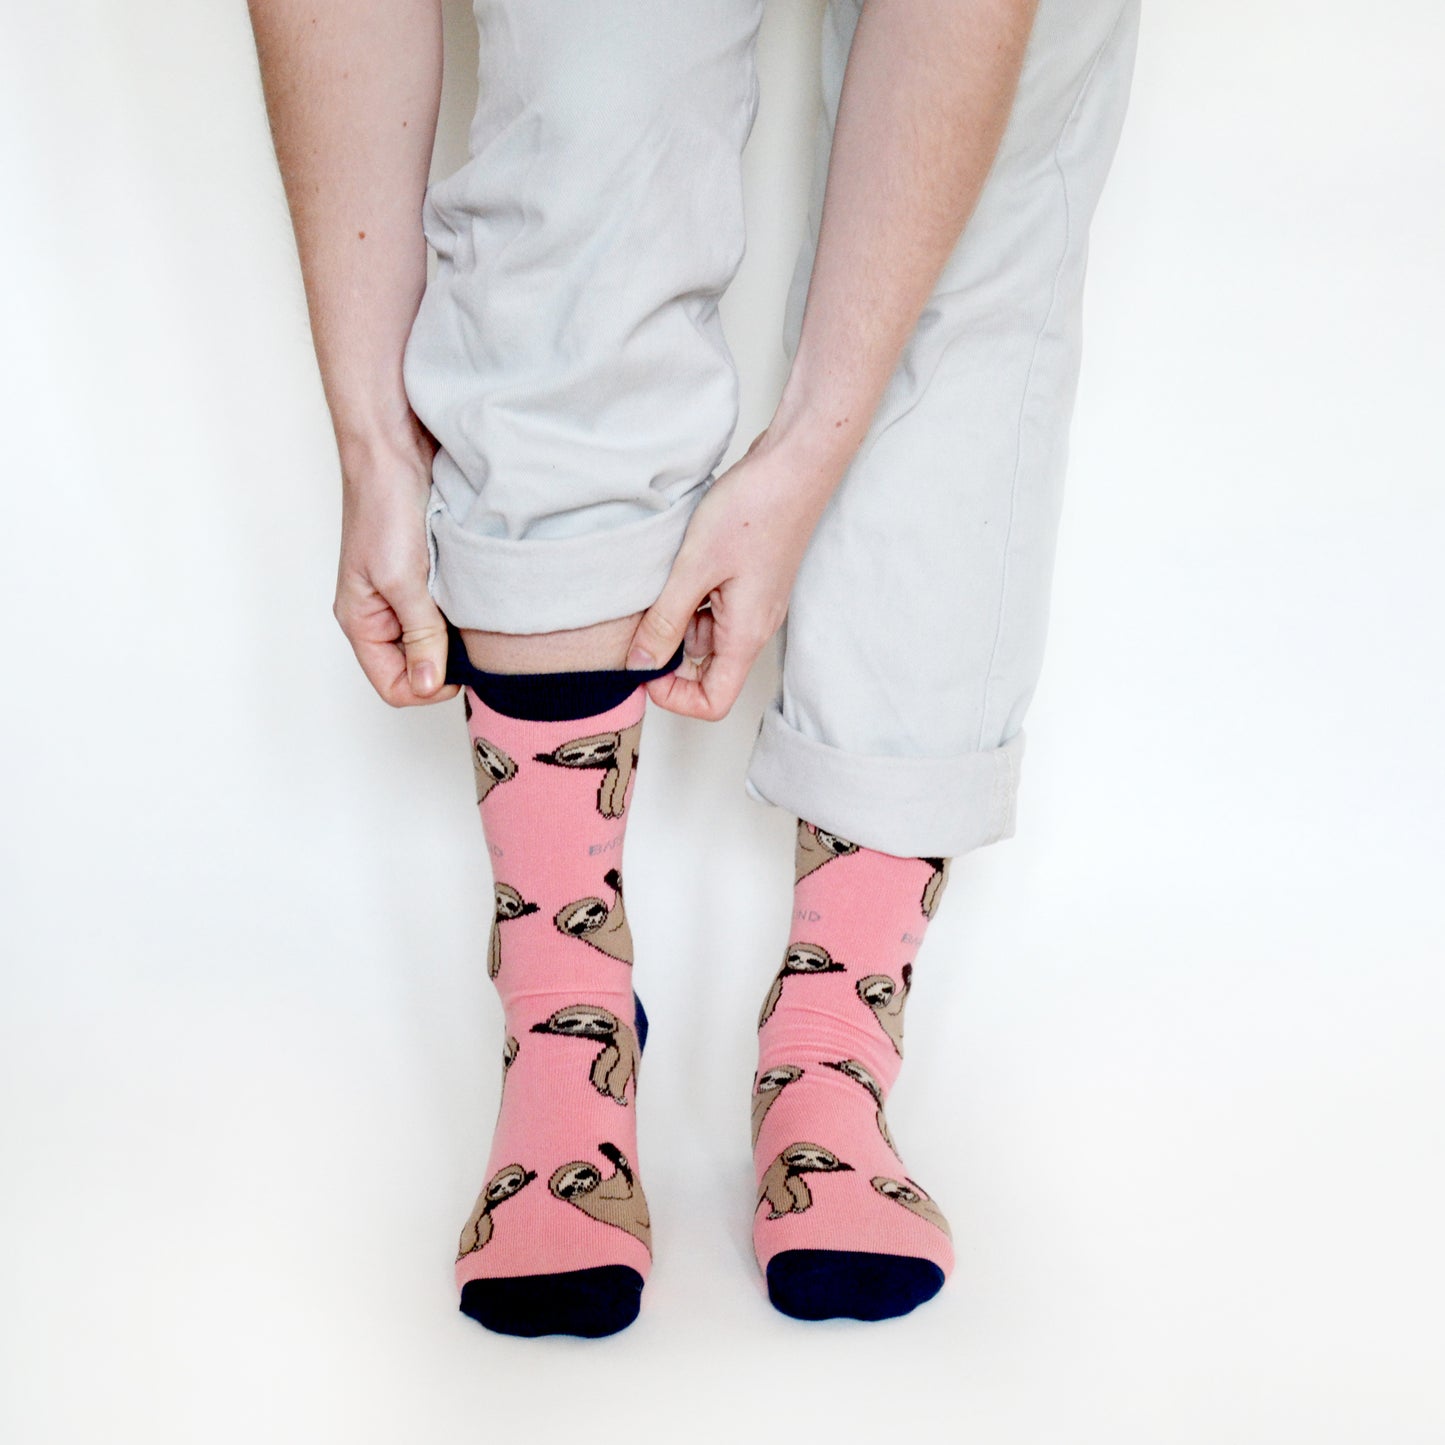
[663, 624]
[697, 641]
[423, 639]
[706, 689]
[729, 638]
[382, 603]
[391, 654]
[710, 696]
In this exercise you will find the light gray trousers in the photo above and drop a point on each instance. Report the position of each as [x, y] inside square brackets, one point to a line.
[569, 359]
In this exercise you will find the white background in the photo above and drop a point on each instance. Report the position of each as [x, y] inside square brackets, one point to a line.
[1175, 1052]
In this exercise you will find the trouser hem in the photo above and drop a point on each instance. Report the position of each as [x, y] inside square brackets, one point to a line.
[912, 807]
[503, 584]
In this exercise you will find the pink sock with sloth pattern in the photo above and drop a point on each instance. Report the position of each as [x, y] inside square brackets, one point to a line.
[559, 1240]
[840, 1228]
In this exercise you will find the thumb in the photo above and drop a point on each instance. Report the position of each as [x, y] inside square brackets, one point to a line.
[423, 640]
[663, 624]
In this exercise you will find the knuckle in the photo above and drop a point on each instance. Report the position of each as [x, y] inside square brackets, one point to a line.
[421, 636]
[659, 622]
[391, 582]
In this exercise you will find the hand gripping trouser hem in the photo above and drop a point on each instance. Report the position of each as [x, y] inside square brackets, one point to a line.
[569, 359]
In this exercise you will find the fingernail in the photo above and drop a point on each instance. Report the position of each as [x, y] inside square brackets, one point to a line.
[639, 658]
[424, 678]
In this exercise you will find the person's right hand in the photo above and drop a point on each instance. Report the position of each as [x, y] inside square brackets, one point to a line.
[397, 632]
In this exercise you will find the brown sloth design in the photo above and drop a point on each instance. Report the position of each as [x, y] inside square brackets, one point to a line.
[509, 904]
[913, 1199]
[616, 753]
[766, 1088]
[591, 920]
[886, 999]
[933, 889]
[615, 1200]
[498, 1189]
[617, 1058]
[852, 1069]
[491, 766]
[815, 847]
[783, 1188]
[510, 1049]
[799, 958]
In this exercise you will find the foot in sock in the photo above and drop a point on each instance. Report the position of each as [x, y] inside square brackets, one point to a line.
[840, 1228]
[559, 1241]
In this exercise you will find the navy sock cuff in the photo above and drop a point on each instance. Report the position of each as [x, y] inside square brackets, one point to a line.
[548, 696]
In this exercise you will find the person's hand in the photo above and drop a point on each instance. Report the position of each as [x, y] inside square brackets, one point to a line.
[728, 589]
[397, 632]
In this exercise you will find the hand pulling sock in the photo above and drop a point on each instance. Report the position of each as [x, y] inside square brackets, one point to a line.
[559, 1240]
[840, 1228]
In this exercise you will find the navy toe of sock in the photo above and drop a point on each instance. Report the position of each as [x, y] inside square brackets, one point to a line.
[825, 1284]
[589, 1302]
[641, 1023]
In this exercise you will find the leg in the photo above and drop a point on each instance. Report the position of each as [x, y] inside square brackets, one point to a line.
[568, 359]
[916, 627]
[567, 355]
[604, 644]
[913, 644]
[553, 784]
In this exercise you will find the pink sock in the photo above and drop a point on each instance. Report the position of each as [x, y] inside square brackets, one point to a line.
[840, 1227]
[559, 1239]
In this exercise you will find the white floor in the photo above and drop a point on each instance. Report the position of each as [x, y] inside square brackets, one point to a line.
[1175, 1052]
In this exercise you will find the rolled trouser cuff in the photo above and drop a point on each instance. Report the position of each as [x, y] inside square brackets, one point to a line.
[551, 584]
[912, 807]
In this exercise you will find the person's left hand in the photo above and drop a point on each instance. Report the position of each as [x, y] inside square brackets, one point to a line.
[728, 589]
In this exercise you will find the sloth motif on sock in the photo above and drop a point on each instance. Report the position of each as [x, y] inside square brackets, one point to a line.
[559, 1239]
[841, 1228]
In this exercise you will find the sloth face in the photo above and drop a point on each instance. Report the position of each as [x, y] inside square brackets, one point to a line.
[876, 991]
[903, 1193]
[778, 1078]
[510, 903]
[834, 844]
[581, 1021]
[811, 1159]
[506, 1183]
[859, 1075]
[593, 752]
[509, 1053]
[809, 958]
[575, 1179]
[585, 916]
[492, 761]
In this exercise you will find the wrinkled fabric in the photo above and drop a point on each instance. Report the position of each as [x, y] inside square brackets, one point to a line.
[569, 359]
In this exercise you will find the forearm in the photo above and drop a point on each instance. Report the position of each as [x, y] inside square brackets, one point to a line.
[353, 88]
[926, 96]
